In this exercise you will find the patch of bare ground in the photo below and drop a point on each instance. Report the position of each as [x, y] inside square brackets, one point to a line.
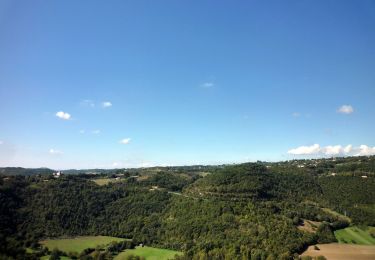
[309, 225]
[336, 251]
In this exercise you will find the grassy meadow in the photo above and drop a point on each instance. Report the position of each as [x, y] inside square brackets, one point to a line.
[149, 253]
[105, 181]
[355, 235]
[78, 244]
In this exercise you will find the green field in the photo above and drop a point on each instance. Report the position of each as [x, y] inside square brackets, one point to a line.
[355, 235]
[149, 253]
[105, 181]
[78, 244]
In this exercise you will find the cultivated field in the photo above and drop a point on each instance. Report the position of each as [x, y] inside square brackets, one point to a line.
[149, 253]
[78, 244]
[355, 235]
[336, 251]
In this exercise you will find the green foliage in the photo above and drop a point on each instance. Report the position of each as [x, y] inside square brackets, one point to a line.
[11, 171]
[325, 234]
[246, 211]
[353, 196]
[172, 182]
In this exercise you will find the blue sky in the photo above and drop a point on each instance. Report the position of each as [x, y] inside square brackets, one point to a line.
[186, 82]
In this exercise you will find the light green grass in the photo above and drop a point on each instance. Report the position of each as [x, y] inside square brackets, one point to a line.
[46, 257]
[105, 181]
[149, 253]
[355, 235]
[78, 244]
[29, 250]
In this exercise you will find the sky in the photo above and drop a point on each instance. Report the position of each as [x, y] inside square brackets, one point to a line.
[112, 84]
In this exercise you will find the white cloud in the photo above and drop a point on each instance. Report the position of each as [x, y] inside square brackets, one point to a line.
[296, 114]
[106, 104]
[82, 131]
[55, 152]
[302, 150]
[1, 142]
[365, 150]
[96, 132]
[345, 109]
[63, 115]
[348, 148]
[125, 141]
[333, 150]
[208, 85]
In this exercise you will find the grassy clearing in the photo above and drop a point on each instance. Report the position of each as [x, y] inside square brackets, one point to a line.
[355, 235]
[78, 244]
[105, 181]
[149, 253]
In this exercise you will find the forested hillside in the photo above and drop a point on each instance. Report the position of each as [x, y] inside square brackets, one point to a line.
[233, 212]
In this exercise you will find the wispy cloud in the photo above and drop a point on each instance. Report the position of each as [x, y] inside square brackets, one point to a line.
[345, 109]
[55, 152]
[125, 141]
[63, 115]
[208, 85]
[82, 131]
[96, 132]
[333, 150]
[87, 103]
[91, 103]
[1, 142]
[106, 104]
[296, 114]
[116, 164]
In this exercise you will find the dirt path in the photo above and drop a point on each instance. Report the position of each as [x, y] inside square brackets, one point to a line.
[336, 251]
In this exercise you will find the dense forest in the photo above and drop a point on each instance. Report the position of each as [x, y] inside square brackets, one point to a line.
[245, 211]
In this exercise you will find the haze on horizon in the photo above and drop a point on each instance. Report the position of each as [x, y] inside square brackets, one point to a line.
[93, 84]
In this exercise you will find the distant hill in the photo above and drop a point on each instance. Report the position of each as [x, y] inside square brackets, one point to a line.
[11, 171]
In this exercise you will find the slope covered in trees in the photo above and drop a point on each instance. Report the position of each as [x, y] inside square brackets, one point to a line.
[236, 212]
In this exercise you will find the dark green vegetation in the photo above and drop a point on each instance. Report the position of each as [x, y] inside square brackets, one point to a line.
[9, 171]
[241, 211]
